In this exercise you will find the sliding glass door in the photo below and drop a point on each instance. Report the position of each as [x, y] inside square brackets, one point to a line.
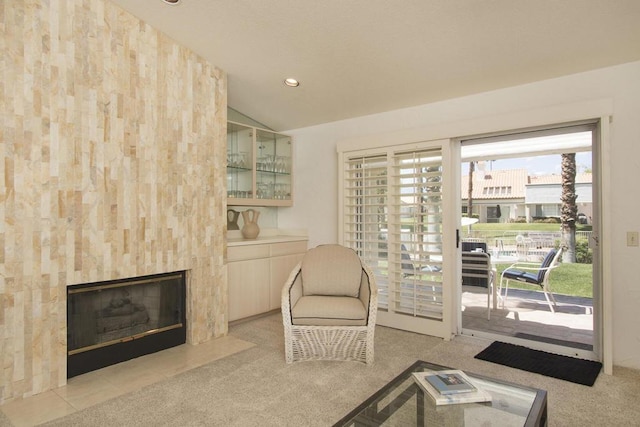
[403, 208]
[533, 192]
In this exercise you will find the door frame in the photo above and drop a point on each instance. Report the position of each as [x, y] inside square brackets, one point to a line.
[537, 116]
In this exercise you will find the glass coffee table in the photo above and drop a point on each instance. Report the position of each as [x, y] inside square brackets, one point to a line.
[403, 403]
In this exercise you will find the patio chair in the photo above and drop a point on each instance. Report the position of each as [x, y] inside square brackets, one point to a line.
[329, 307]
[469, 246]
[478, 271]
[523, 244]
[533, 274]
[473, 279]
[409, 267]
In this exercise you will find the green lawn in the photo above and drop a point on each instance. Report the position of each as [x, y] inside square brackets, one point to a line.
[566, 279]
[500, 230]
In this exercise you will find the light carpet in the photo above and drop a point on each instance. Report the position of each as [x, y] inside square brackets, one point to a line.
[257, 388]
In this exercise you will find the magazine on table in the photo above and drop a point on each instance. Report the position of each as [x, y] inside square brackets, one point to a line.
[450, 386]
[450, 382]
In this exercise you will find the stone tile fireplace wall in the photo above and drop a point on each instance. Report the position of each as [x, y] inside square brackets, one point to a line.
[112, 145]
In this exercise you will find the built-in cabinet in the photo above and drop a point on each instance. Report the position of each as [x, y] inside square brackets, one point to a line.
[259, 165]
[259, 173]
[256, 273]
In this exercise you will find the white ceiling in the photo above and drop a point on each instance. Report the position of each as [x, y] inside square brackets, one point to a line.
[359, 57]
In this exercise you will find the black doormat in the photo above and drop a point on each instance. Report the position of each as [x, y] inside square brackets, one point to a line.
[552, 365]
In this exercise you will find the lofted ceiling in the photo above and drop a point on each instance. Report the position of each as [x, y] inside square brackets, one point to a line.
[359, 57]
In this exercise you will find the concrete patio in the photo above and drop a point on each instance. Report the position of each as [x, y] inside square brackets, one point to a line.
[527, 315]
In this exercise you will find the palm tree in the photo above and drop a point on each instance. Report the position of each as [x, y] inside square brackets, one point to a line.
[472, 168]
[569, 210]
[430, 211]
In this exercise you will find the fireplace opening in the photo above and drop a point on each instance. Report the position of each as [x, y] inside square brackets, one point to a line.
[118, 320]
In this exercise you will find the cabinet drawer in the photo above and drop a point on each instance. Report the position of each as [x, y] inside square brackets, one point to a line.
[288, 248]
[239, 253]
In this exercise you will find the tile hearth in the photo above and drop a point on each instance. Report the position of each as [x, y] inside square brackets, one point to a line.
[98, 386]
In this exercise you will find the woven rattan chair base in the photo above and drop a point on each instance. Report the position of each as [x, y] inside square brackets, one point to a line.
[331, 343]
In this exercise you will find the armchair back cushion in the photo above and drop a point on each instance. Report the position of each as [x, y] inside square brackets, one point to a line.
[546, 263]
[331, 270]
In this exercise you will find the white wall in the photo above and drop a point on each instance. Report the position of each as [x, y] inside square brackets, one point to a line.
[316, 164]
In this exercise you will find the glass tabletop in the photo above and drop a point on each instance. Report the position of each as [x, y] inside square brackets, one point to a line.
[402, 403]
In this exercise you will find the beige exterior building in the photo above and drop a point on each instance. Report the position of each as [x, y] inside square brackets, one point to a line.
[514, 195]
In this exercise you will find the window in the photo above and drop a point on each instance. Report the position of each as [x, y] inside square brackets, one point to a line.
[496, 191]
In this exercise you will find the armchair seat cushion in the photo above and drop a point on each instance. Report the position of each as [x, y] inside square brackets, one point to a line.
[521, 276]
[321, 310]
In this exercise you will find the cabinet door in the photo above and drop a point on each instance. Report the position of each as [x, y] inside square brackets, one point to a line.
[259, 167]
[281, 267]
[248, 288]
[240, 182]
[273, 167]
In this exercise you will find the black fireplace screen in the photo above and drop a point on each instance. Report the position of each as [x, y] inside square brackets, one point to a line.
[99, 315]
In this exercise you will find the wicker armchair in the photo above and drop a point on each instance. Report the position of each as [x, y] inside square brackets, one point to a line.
[329, 306]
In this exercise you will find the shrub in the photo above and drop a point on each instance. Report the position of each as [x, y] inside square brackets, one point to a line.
[584, 255]
[546, 219]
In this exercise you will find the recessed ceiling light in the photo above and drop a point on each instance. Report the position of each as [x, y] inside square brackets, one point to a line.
[291, 82]
[171, 2]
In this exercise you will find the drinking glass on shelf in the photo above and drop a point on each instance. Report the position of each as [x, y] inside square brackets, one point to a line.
[243, 159]
[286, 164]
[261, 191]
[269, 163]
[232, 159]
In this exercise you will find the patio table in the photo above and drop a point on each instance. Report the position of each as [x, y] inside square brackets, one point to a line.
[495, 261]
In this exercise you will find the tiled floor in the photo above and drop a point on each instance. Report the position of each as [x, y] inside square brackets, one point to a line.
[527, 315]
[92, 388]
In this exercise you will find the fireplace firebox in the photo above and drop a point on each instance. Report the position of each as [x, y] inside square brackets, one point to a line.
[118, 320]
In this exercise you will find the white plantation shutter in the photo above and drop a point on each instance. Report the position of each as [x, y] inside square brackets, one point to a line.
[392, 216]
[365, 213]
[416, 224]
